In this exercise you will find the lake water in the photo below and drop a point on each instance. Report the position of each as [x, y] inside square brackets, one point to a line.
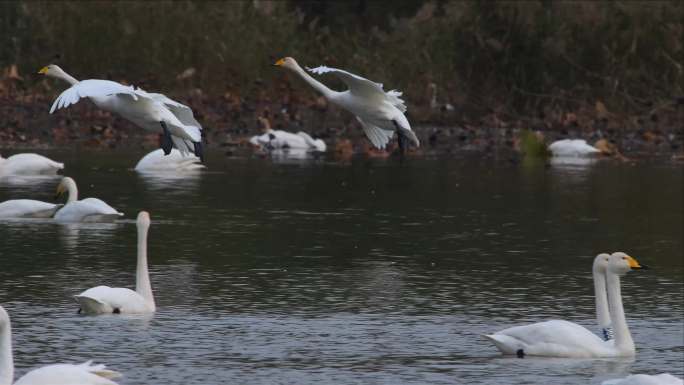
[357, 272]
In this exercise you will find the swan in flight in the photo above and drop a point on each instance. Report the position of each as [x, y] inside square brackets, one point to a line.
[85, 210]
[559, 338]
[116, 300]
[572, 148]
[380, 113]
[27, 208]
[645, 379]
[156, 161]
[29, 164]
[278, 139]
[150, 111]
[58, 374]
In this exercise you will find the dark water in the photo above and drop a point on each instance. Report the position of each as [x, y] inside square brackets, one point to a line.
[367, 272]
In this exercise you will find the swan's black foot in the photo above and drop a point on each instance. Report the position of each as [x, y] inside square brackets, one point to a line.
[199, 151]
[79, 311]
[116, 311]
[166, 142]
[401, 138]
[520, 353]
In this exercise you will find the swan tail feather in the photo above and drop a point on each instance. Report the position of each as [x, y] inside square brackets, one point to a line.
[91, 305]
[100, 370]
[505, 344]
[376, 135]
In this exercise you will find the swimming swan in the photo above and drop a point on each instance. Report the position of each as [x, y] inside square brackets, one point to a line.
[558, 338]
[150, 111]
[27, 208]
[174, 162]
[85, 210]
[572, 148]
[380, 113]
[116, 300]
[645, 379]
[279, 139]
[28, 164]
[58, 374]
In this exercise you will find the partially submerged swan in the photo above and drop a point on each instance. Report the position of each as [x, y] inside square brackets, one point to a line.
[85, 210]
[174, 162]
[559, 338]
[280, 140]
[380, 113]
[116, 300]
[645, 379]
[572, 148]
[58, 374]
[27, 208]
[150, 111]
[29, 164]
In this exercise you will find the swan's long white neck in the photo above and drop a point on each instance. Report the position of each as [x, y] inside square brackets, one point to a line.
[320, 87]
[72, 190]
[61, 74]
[142, 275]
[6, 363]
[623, 339]
[601, 297]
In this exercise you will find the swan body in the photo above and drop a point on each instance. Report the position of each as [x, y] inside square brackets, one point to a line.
[645, 379]
[559, 338]
[85, 210]
[27, 208]
[278, 139]
[58, 374]
[150, 111]
[108, 300]
[29, 164]
[380, 113]
[572, 148]
[174, 162]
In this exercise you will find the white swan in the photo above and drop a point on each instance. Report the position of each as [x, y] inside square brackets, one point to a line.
[558, 338]
[29, 164]
[380, 113]
[572, 148]
[278, 139]
[108, 300]
[58, 374]
[85, 210]
[27, 208]
[150, 111]
[174, 162]
[645, 379]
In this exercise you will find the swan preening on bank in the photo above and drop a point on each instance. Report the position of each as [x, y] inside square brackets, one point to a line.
[280, 140]
[380, 113]
[85, 210]
[559, 338]
[108, 300]
[58, 374]
[174, 162]
[28, 164]
[150, 111]
[645, 379]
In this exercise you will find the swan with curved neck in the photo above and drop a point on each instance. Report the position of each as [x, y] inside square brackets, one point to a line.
[86, 210]
[380, 113]
[115, 300]
[558, 338]
[58, 374]
[150, 111]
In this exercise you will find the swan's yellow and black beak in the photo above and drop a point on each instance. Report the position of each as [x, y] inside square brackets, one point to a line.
[43, 70]
[279, 63]
[59, 192]
[634, 264]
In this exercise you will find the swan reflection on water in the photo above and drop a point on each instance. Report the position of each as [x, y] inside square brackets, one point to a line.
[70, 233]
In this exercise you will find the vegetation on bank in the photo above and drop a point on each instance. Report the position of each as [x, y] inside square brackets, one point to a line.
[541, 64]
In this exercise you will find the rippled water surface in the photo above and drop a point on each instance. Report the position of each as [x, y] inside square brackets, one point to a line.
[364, 272]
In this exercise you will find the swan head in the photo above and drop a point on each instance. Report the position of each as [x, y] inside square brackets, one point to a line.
[287, 62]
[52, 70]
[64, 186]
[143, 220]
[621, 263]
[601, 263]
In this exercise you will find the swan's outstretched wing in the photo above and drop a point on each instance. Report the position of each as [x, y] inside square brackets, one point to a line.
[182, 112]
[375, 134]
[363, 87]
[91, 88]
[67, 374]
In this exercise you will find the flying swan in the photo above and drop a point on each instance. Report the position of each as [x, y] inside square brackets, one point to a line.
[29, 164]
[58, 374]
[150, 111]
[558, 338]
[117, 300]
[380, 113]
[85, 210]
